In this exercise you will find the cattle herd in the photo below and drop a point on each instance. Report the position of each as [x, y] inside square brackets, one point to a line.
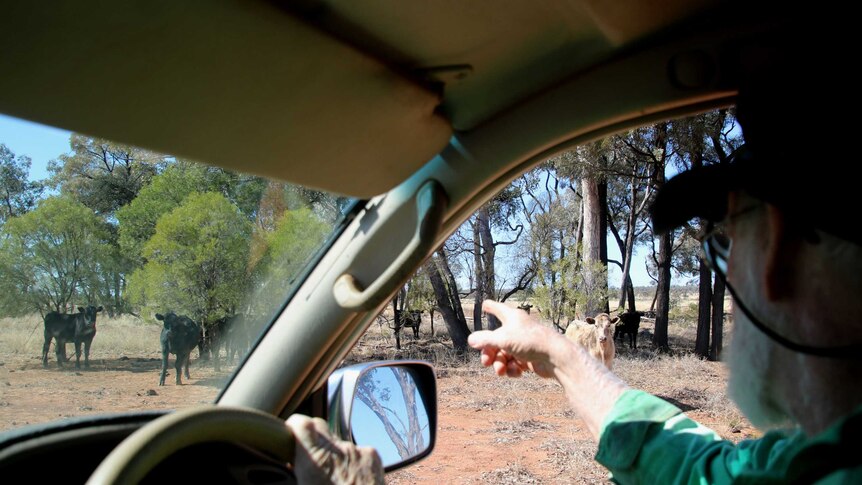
[179, 336]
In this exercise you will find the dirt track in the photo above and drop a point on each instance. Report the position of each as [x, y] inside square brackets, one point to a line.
[490, 429]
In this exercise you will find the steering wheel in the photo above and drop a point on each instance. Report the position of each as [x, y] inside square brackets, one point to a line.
[138, 454]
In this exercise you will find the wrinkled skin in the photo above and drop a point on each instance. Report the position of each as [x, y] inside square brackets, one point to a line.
[321, 458]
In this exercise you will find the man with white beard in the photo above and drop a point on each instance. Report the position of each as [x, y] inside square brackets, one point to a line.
[781, 231]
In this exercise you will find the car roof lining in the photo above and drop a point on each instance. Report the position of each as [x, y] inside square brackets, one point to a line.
[624, 93]
[243, 85]
[490, 54]
[342, 96]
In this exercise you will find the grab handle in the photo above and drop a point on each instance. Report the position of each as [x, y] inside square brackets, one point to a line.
[430, 205]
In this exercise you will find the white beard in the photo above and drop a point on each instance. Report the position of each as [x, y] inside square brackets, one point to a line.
[755, 371]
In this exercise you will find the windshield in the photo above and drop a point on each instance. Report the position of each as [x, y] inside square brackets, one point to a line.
[118, 262]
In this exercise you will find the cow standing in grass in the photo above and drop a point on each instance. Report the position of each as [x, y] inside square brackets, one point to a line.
[179, 336]
[214, 336]
[628, 325]
[77, 328]
[596, 335]
[237, 338]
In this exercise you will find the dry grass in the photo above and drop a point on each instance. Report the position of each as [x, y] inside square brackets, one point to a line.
[543, 439]
[125, 336]
[513, 473]
[479, 413]
[684, 379]
[571, 460]
[21, 336]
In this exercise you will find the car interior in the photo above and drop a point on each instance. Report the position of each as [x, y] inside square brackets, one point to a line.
[421, 111]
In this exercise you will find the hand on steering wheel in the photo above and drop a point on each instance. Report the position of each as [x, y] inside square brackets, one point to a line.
[319, 458]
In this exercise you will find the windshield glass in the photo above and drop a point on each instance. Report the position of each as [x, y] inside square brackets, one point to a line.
[114, 259]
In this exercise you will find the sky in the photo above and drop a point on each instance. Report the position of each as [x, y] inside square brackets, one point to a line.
[44, 143]
[368, 429]
[39, 142]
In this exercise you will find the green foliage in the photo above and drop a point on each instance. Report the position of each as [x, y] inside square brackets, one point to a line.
[682, 313]
[420, 293]
[555, 256]
[103, 175]
[169, 233]
[166, 192]
[556, 296]
[687, 252]
[107, 283]
[297, 235]
[196, 260]
[327, 207]
[591, 296]
[17, 195]
[49, 255]
[170, 188]
[243, 190]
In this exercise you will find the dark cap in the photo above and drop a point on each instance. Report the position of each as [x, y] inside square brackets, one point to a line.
[800, 151]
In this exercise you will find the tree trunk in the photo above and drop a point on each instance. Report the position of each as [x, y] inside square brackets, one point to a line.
[478, 277]
[397, 315]
[603, 235]
[704, 305]
[592, 245]
[457, 327]
[118, 295]
[717, 319]
[627, 251]
[452, 285]
[431, 312]
[489, 251]
[663, 292]
[560, 291]
[665, 246]
[415, 441]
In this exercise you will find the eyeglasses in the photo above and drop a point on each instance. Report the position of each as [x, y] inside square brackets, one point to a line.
[716, 246]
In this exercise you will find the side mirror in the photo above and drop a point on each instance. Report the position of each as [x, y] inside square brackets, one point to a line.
[390, 405]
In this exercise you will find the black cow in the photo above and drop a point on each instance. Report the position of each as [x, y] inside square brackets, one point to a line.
[212, 339]
[77, 328]
[179, 336]
[236, 336]
[629, 324]
[230, 333]
[411, 319]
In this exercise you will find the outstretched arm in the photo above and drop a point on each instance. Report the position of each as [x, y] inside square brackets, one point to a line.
[521, 345]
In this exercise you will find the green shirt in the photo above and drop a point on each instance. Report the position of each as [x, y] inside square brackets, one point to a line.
[645, 439]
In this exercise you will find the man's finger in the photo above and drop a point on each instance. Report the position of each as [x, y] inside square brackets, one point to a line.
[303, 429]
[500, 310]
[488, 355]
[500, 364]
[481, 339]
[513, 369]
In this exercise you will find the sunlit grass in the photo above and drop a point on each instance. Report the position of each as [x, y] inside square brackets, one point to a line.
[115, 337]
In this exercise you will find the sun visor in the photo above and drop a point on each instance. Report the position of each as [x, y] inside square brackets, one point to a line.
[239, 84]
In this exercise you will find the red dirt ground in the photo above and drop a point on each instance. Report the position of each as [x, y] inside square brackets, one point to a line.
[490, 429]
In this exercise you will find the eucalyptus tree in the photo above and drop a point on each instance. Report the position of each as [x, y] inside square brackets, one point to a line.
[48, 257]
[18, 195]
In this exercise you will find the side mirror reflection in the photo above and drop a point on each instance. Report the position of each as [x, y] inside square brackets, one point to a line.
[390, 414]
[390, 406]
